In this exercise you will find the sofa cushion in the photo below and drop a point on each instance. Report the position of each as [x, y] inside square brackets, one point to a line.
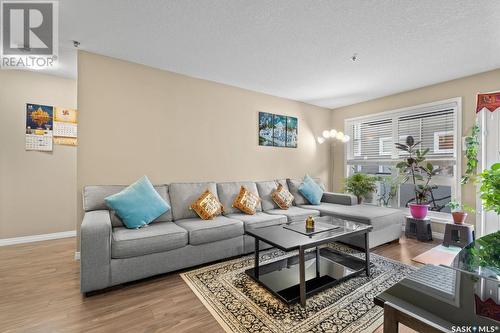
[266, 189]
[282, 197]
[138, 204]
[295, 213]
[207, 206]
[246, 201]
[156, 237]
[311, 190]
[202, 231]
[229, 191]
[93, 199]
[378, 217]
[293, 186]
[182, 195]
[259, 220]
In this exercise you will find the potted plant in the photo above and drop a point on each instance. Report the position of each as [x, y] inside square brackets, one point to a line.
[413, 168]
[388, 190]
[459, 211]
[361, 185]
[490, 188]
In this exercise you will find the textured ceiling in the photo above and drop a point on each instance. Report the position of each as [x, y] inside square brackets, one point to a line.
[298, 49]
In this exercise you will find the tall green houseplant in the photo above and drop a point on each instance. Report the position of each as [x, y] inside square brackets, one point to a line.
[360, 185]
[415, 168]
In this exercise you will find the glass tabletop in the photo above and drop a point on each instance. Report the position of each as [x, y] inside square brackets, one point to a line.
[464, 300]
[287, 239]
[481, 257]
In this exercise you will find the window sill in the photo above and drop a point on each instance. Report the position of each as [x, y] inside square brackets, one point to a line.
[437, 217]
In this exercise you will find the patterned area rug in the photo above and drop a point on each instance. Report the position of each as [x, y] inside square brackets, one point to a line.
[241, 305]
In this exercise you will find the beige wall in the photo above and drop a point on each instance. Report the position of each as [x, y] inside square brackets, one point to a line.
[37, 189]
[136, 120]
[467, 88]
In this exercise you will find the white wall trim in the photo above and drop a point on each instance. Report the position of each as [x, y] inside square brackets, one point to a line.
[37, 238]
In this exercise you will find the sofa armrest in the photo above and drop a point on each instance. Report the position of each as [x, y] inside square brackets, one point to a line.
[339, 198]
[95, 251]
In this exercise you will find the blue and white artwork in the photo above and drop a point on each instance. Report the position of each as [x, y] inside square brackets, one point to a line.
[278, 130]
[291, 132]
[265, 129]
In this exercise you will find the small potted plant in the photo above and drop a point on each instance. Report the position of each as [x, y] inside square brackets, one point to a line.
[414, 168]
[459, 211]
[361, 185]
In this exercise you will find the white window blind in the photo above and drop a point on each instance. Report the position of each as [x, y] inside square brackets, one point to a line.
[434, 129]
[371, 139]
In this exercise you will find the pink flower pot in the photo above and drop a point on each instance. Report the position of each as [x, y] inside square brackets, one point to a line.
[418, 211]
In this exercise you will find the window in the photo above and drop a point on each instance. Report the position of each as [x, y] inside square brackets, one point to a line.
[385, 146]
[434, 125]
[443, 142]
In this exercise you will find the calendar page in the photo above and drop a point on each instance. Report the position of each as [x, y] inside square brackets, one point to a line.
[65, 126]
[39, 142]
[39, 126]
[65, 129]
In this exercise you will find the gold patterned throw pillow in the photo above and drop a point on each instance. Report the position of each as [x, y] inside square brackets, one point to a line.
[207, 206]
[246, 201]
[282, 197]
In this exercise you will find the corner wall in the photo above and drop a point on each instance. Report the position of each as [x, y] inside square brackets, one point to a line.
[135, 120]
[37, 189]
[467, 88]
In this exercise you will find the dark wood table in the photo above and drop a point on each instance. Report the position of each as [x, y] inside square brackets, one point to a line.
[294, 278]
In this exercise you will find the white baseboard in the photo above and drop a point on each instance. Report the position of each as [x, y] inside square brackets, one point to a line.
[77, 256]
[37, 238]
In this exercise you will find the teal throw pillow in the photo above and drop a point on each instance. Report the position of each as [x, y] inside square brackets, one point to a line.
[138, 205]
[311, 190]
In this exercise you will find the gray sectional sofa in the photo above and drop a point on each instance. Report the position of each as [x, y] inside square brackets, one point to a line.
[112, 254]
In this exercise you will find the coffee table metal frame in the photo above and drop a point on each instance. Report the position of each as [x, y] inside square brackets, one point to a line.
[254, 273]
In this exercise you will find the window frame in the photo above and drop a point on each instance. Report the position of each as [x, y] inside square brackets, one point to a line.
[453, 103]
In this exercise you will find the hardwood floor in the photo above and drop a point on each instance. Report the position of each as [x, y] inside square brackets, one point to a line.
[39, 292]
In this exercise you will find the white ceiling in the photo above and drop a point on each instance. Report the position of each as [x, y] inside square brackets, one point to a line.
[298, 49]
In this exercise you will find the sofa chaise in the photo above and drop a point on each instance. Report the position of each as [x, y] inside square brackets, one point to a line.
[112, 254]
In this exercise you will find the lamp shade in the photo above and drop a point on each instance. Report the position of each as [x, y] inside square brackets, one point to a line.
[333, 133]
[326, 134]
[340, 136]
[320, 140]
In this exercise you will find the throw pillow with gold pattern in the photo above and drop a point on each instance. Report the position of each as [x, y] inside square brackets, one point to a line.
[282, 197]
[207, 206]
[246, 201]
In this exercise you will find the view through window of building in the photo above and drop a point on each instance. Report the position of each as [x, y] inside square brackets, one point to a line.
[372, 151]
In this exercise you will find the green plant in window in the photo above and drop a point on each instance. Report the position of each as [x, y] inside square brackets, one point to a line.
[388, 190]
[490, 188]
[456, 206]
[471, 149]
[414, 168]
[361, 185]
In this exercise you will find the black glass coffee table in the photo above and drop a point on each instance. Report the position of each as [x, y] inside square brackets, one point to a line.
[294, 278]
